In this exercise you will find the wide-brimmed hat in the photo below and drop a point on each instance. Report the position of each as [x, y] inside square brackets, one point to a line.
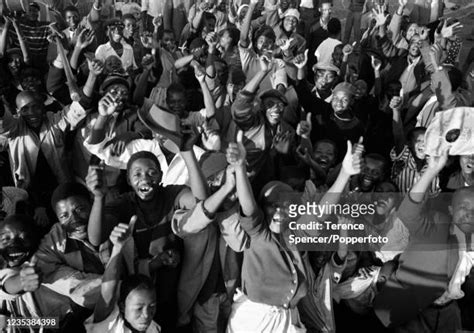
[326, 66]
[275, 94]
[162, 122]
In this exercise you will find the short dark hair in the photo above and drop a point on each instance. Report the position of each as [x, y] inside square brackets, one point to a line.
[177, 88]
[234, 34]
[266, 31]
[142, 154]
[168, 31]
[334, 26]
[131, 283]
[414, 132]
[68, 190]
[329, 141]
[71, 9]
[455, 77]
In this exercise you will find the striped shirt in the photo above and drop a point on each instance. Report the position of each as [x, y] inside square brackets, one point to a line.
[35, 35]
[405, 173]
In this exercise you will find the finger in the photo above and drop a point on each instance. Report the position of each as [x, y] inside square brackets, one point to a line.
[240, 136]
[131, 225]
[33, 261]
[308, 118]
[349, 146]
[361, 140]
[401, 92]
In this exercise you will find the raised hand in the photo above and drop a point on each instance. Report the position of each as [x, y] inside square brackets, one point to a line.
[85, 38]
[348, 49]
[376, 64]
[281, 142]
[304, 127]
[402, 3]
[284, 43]
[396, 102]
[266, 64]
[122, 232]
[158, 21]
[148, 61]
[424, 33]
[229, 178]
[379, 15]
[147, 40]
[96, 67]
[451, 30]
[437, 163]
[211, 40]
[190, 136]
[352, 162]
[436, 52]
[183, 48]
[95, 181]
[199, 73]
[107, 105]
[236, 153]
[301, 59]
[30, 275]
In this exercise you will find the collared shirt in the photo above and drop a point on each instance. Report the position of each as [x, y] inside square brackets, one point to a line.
[307, 4]
[106, 50]
[405, 173]
[408, 79]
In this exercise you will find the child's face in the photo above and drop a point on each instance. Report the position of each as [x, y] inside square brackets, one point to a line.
[290, 23]
[341, 101]
[325, 154]
[73, 215]
[168, 41]
[16, 244]
[417, 146]
[140, 308]
[273, 110]
[176, 102]
[144, 177]
[385, 199]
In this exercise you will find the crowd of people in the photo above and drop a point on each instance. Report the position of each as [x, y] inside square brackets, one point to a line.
[150, 151]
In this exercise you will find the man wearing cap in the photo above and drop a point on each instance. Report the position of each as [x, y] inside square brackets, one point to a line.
[265, 132]
[262, 44]
[290, 42]
[116, 46]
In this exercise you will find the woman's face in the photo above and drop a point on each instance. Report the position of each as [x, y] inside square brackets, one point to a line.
[140, 308]
[144, 177]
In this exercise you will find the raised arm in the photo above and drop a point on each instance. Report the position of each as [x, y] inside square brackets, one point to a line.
[3, 37]
[107, 299]
[84, 39]
[208, 100]
[107, 106]
[96, 184]
[95, 69]
[21, 40]
[245, 28]
[397, 123]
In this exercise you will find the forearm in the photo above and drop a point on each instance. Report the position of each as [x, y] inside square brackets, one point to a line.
[183, 62]
[398, 132]
[208, 100]
[244, 192]
[245, 29]
[3, 39]
[96, 218]
[98, 131]
[94, 14]
[418, 191]
[140, 90]
[254, 83]
[196, 178]
[213, 203]
[23, 47]
[210, 67]
[88, 88]
[333, 195]
[196, 21]
[76, 53]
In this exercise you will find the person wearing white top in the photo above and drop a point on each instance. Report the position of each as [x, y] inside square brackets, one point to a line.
[326, 48]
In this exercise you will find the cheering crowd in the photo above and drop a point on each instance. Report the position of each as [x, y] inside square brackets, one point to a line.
[149, 151]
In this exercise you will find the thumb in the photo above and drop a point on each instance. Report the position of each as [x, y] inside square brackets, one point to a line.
[401, 92]
[308, 118]
[361, 140]
[349, 147]
[33, 261]
[131, 224]
[306, 54]
[240, 136]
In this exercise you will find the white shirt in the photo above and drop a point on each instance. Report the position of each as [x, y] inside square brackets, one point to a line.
[325, 50]
[307, 4]
[153, 7]
[407, 79]
[106, 50]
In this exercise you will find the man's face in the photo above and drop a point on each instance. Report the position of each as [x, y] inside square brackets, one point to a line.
[31, 83]
[72, 19]
[209, 26]
[371, 174]
[290, 23]
[14, 63]
[121, 94]
[168, 42]
[462, 210]
[341, 101]
[140, 308]
[129, 27]
[337, 56]
[325, 10]
[225, 40]
[360, 89]
[417, 146]
[274, 108]
[467, 164]
[324, 79]
[17, 244]
[31, 110]
[144, 177]
[265, 45]
[385, 199]
[176, 102]
[412, 31]
[325, 154]
[414, 47]
[113, 64]
[115, 33]
[73, 215]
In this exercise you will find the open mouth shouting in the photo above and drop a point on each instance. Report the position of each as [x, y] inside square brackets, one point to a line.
[145, 191]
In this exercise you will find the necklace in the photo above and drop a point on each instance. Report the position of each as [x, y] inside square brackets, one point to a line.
[341, 119]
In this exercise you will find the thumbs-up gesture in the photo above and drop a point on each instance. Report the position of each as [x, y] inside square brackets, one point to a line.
[304, 127]
[236, 153]
[122, 232]
[352, 162]
[30, 277]
[301, 59]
